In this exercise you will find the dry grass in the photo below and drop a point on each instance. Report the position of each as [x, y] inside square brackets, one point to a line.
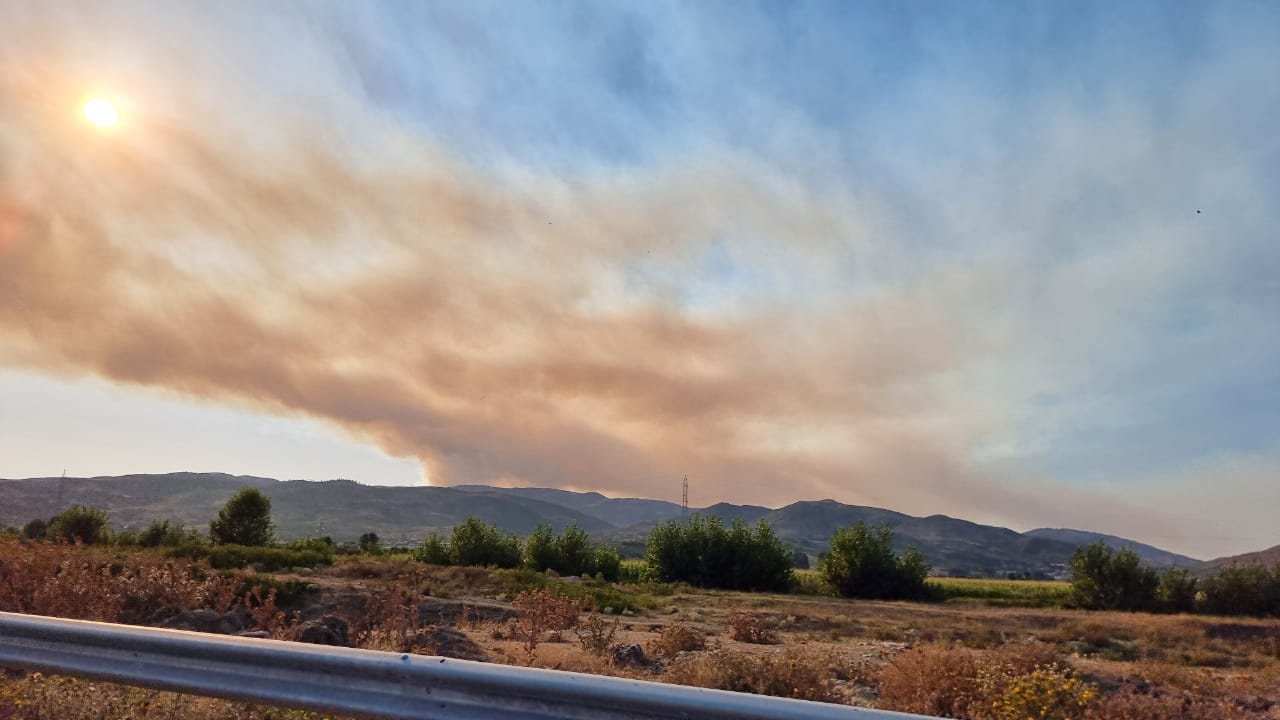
[45, 697]
[753, 628]
[677, 638]
[959, 659]
[791, 673]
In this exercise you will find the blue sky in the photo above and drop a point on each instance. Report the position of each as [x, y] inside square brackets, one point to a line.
[1014, 262]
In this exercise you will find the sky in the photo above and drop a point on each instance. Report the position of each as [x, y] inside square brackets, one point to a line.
[1011, 262]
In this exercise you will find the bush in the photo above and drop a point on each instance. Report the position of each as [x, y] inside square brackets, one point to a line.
[677, 638]
[472, 543]
[80, 524]
[1243, 590]
[244, 520]
[161, 533]
[370, 543]
[861, 563]
[267, 559]
[793, 673]
[1010, 683]
[752, 628]
[608, 563]
[35, 530]
[542, 611]
[1105, 580]
[475, 543]
[433, 549]
[569, 554]
[702, 552]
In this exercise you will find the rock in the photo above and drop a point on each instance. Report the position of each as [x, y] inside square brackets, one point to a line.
[450, 642]
[328, 630]
[629, 654]
[209, 621]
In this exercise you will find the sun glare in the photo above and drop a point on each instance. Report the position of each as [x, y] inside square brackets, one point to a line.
[101, 112]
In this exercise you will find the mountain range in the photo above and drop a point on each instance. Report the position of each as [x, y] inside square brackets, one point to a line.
[343, 509]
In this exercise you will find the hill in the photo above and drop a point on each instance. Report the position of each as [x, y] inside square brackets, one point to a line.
[1269, 557]
[343, 510]
[1151, 555]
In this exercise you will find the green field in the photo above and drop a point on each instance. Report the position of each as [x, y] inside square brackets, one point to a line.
[1020, 593]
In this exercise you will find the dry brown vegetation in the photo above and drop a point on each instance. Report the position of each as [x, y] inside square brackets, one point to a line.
[963, 660]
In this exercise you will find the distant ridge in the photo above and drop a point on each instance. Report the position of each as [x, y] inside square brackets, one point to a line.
[343, 509]
[1269, 557]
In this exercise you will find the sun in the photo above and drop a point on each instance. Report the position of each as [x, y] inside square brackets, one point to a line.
[101, 112]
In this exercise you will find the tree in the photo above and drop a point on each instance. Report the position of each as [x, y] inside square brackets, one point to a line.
[244, 520]
[80, 524]
[433, 549]
[161, 532]
[476, 543]
[1105, 580]
[861, 563]
[1243, 590]
[370, 543]
[608, 563]
[1177, 591]
[574, 553]
[540, 549]
[702, 551]
[36, 529]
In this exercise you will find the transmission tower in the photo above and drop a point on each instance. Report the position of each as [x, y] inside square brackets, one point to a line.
[684, 500]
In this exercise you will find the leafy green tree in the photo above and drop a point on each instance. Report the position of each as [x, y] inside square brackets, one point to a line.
[574, 553]
[433, 549]
[80, 524]
[540, 549]
[1105, 580]
[1177, 591]
[702, 551]
[1243, 590]
[162, 533]
[370, 543]
[861, 563]
[608, 563]
[476, 543]
[244, 520]
[36, 529]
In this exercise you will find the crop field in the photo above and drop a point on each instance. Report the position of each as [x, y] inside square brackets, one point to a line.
[1019, 593]
[988, 650]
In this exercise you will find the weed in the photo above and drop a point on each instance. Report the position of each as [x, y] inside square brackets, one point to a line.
[753, 628]
[677, 638]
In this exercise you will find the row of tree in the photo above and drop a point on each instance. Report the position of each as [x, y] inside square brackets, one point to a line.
[477, 543]
[1103, 579]
[245, 519]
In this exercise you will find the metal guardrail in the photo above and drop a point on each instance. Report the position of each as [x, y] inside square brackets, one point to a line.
[368, 683]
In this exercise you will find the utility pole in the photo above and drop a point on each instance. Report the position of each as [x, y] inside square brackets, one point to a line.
[684, 500]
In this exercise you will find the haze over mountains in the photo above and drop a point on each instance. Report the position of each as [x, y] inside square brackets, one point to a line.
[343, 509]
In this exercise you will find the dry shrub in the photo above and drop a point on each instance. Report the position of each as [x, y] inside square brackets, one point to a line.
[541, 611]
[930, 681]
[392, 616]
[1009, 683]
[87, 583]
[595, 633]
[752, 628]
[44, 697]
[1134, 704]
[677, 638]
[791, 673]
